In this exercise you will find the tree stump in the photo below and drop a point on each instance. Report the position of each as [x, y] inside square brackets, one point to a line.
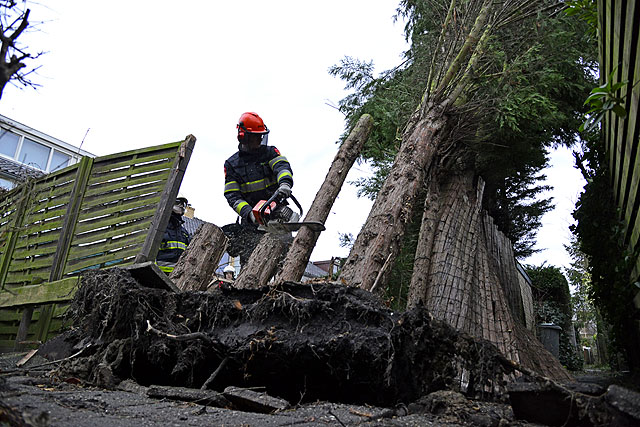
[197, 265]
[263, 262]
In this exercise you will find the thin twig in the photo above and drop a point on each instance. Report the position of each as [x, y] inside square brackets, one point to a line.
[384, 266]
[214, 374]
[184, 337]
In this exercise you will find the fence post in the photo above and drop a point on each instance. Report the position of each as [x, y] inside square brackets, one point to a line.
[161, 218]
[13, 234]
[62, 249]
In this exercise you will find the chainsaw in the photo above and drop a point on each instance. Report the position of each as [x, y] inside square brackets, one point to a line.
[274, 216]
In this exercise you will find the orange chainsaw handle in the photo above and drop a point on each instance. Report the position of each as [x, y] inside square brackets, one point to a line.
[273, 198]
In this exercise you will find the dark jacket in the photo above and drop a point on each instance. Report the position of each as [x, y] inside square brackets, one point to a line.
[174, 240]
[251, 177]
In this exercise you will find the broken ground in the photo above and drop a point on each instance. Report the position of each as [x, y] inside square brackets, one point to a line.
[298, 345]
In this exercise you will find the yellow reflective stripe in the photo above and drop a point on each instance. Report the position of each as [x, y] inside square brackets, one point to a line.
[258, 185]
[275, 160]
[283, 174]
[238, 207]
[165, 266]
[231, 186]
[173, 244]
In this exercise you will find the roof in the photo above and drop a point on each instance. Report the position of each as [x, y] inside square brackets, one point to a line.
[18, 171]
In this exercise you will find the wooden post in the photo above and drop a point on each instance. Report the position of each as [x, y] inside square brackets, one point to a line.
[197, 265]
[300, 251]
[263, 262]
[160, 220]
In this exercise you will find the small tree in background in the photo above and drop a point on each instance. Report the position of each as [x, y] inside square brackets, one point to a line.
[14, 20]
[552, 304]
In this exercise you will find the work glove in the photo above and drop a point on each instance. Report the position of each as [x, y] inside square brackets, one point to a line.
[251, 217]
[284, 190]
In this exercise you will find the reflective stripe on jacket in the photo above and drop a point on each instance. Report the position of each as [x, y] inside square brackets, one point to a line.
[174, 242]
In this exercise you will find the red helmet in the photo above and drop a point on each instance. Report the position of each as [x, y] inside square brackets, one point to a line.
[251, 123]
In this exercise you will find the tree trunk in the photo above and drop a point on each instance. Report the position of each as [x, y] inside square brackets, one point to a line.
[263, 263]
[304, 242]
[379, 239]
[197, 265]
[465, 273]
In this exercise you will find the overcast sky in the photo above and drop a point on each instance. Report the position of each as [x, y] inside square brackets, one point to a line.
[142, 73]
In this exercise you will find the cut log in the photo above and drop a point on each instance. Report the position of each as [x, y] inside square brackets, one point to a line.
[304, 242]
[263, 263]
[197, 265]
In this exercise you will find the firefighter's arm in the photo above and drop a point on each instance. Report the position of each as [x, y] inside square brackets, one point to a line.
[233, 194]
[281, 168]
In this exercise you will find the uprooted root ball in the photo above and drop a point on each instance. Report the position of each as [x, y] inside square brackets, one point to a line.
[300, 342]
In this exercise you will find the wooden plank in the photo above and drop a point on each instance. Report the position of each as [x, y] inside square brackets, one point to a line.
[44, 323]
[51, 192]
[149, 274]
[61, 290]
[13, 314]
[21, 278]
[111, 232]
[26, 244]
[152, 156]
[39, 228]
[133, 171]
[7, 253]
[110, 220]
[626, 127]
[616, 136]
[124, 256]
[161, 218]
[13, 330]
[35, 217]
[31, 263]
[124, 206]
[131, 184]
[102, 247]
[47, 248]
[103, 199]
[111, 157]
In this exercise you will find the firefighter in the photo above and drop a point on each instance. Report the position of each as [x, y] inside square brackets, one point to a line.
[254, 173]
[175, 239]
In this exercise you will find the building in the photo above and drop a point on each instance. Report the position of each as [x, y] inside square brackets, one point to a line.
[28, 153]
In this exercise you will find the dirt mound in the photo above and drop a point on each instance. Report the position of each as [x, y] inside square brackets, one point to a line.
[300, 342]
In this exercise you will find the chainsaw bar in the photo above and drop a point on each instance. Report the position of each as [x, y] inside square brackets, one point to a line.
[288, 227]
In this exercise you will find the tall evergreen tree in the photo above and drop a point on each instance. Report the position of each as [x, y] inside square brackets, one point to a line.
[527, 98]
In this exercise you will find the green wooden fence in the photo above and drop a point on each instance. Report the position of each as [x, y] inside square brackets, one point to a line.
[99, 213]
[619, 22]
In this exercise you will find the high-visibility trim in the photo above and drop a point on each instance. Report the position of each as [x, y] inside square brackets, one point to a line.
[173, 244]
[275, 160]
[167, 267]
[283, 174]
[231, 186]
[239, 205]
[258, 185]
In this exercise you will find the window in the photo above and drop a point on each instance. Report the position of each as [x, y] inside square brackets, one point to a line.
[8, 143]
[59, 161]
[34, 154]
[5, 183]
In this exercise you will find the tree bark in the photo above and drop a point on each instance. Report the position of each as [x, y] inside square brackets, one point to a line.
[263, 263]
[381, 235]
[197, 265]
[465, 273]
[304, 242]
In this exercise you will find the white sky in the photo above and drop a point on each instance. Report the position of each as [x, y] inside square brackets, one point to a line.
[142, 73]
